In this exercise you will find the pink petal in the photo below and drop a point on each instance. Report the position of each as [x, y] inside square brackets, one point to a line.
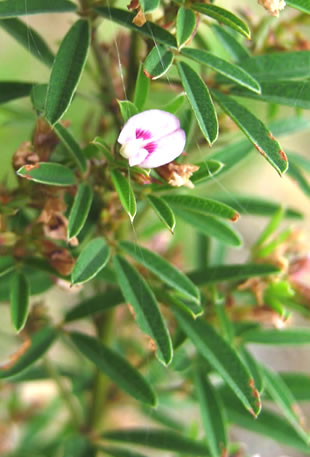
[167, 149]
[138, 158]
[151, 124]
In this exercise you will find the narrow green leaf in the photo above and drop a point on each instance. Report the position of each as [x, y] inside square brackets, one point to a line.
[272, 226]
[202, 205]
[248, 204]
[207, 170]
[157, 62]
[223, 16]
[254, 368]
[148, 317]
[191, 306]
[127, 109]
[222, 357]
[301, 5]
[186, 22]
[97, 304]
[38, 96]
[297, 176]
[162, 415]
[167, 440]
[255, 130]
[7, 264]
[212, 414]
[229, 70]
[119, 452]
[124, 18]
[290, 93]
[168, 273]
[125, 193]
[300, 161]
[298, 383]
[283, 337]
[67, 70]
[40, 343]
[72, 146]
[13, 8]
[284, 398]
[91, 260]
[49, 173]
[142, 89]
[36, 46]
[10, 90]
[125, 376]
[232, 155]
[80, 209]
[175, 104]
[200, 100]
[163, 211]
[19, 298]
[229, 42]
[236, 272]
[210, 226]
[149, 5]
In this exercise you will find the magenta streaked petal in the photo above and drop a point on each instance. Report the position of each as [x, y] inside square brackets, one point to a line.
[158, 123]
[168, 148]
[143, 134]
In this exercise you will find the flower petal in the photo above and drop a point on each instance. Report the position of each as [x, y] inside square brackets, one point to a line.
[153, 124]
[138, 158]
[167, 149]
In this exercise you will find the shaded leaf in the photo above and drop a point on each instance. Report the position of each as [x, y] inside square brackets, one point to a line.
[19, 298]
[163, 211]
[38, 96]
[168, 273]
[72, 146]
[13, 8]
[91, 260]
[52, 174]
[125, 193]
[229, 42]
[157, 62]
[149, 5]
[254, 368]
[207, 169]
[186, 22]
[115, 366]
[200, 100]
[147, 314]
[80, 209]
[142, 89]
[10, 90]
[119, 452]
[175, 104]
[7, 264]
[297, 176]
[301, 5]
[298, 383]
[128, 109]
[67, 70]
[255, 130]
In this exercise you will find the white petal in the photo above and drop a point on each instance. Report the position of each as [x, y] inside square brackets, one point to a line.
[156, 122]
[168, 148]
[138, 158]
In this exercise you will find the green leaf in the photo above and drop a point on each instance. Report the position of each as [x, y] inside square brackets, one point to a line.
[10, 90]
[284, 398]
[36, 46]
[210, 226]
[202, 205]
[278, 65]
[255, 130]
[7, 264]
[298, 383]
[157, 62]
[19, 298]
[13, 8]
[119, 452]
[283, 337]
[72, 146]
[38, 96]
[186, 22]
[301, 5]
[91, 260]
[300, 161]
[124, 18]
[163, 211]
[248, 204]
[80, 209]
[142, 89]
[191, 306]
[125, 376]
[168, 273]
[212, 414]
[67, 70]
[52, 174]
[297, 176]
[236, 272]
[97, 304]
[147, 314]
[125, 193]
[149, 5]
[254, 368]
[175, 104]
[222, 357]
[207, 170]
[223, 16]
[229, 70]
[229, 42]
[127, 109]
[40, 343]
[200, 100]
[271, 227]
[167, 440]
[290, 93]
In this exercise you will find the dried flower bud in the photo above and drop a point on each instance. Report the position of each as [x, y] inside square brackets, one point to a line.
[273, 6]
[44, 139]
[177, 175]
[59, 258]
[151, 139]
[54, 222]
[25, 155]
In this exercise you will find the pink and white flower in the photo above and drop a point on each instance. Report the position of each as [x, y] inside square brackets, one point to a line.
[151, 139]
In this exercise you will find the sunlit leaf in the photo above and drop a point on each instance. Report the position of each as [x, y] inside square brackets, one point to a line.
[80, 209]
[301, 5]
[125, 193]
[284, 337]
[91, 260]
[13, 8]
[128, 109]
[231, 44]
[157, 62]
[142, 89]
[53, 174]
[163, 211]
[186, 22]
[19, 295]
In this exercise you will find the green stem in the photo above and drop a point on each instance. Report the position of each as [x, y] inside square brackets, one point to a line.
[133, 66]
[64, 392]
[101, 381]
